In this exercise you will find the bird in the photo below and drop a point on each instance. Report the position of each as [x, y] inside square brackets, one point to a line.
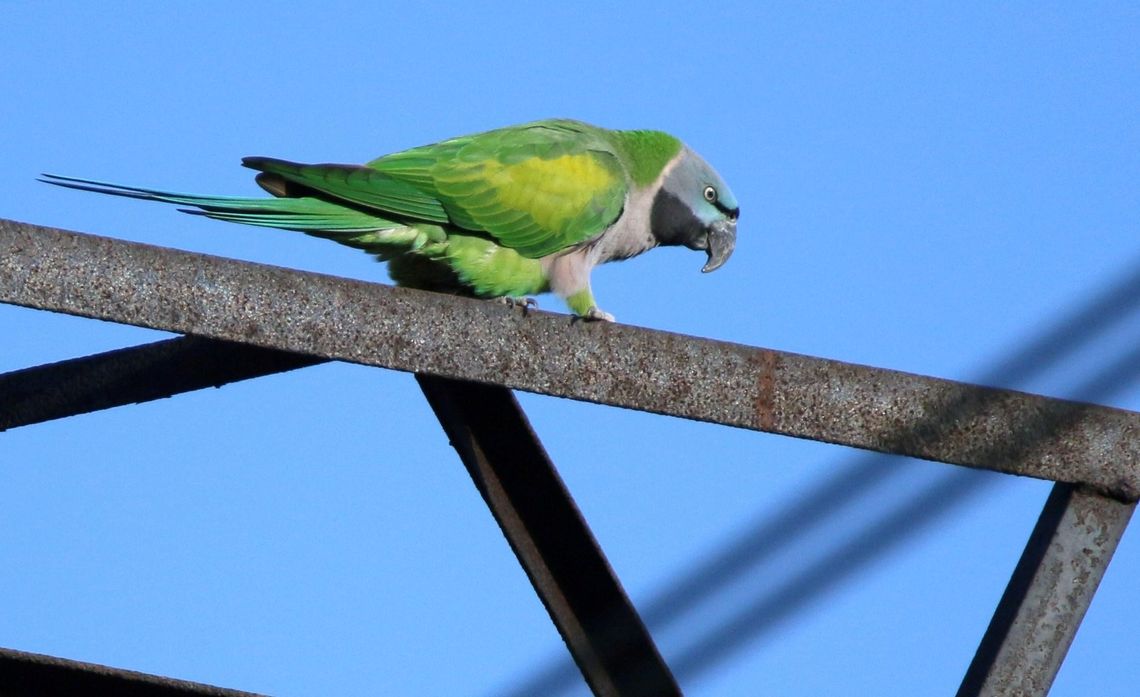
[504, 214]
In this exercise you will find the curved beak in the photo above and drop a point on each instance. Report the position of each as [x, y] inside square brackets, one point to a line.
[721, 242]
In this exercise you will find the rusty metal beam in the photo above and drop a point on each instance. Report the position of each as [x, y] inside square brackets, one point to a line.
[1048, 594]
[626, 366]
[540, 520]
[35, 675]
[132, 375]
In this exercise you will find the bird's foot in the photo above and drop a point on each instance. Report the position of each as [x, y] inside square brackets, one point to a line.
[598, 315]
[513, 301]
[582, 305]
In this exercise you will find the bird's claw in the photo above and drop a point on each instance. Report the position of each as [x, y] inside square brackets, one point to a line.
[524, 303]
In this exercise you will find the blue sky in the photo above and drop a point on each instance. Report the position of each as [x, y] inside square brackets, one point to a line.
[925, 187]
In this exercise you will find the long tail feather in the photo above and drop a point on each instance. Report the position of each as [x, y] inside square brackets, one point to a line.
[306, 214]
[101, 187]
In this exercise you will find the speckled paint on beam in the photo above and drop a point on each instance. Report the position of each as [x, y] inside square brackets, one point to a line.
[620, 365]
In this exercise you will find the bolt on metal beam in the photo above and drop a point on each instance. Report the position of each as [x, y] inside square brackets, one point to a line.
[132, 375]
[540, 520]
[35, 675]
[620, 365]
[1048, 594]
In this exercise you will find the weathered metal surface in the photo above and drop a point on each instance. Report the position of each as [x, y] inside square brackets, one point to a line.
[35, 675]
[1048, 594]
[540, 520]
[626, 366]
[131, 375]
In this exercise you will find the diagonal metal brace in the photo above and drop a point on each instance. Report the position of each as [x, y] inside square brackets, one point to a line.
[1048, 594]
[133, 375]
[35, 675]
[512, 471]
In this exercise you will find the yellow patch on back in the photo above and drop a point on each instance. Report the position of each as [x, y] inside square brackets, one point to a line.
[554, 191]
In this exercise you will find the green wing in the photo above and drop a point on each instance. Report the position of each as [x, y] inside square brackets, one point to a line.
[536, 188]
[355, 184]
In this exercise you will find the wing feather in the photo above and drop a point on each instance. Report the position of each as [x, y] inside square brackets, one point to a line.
[538, 188]
[358, 185]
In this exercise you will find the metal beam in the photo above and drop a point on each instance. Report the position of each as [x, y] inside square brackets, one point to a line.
[626, 366]
[1048, 594]
[35, 675]
[540, 520]
[132, 375]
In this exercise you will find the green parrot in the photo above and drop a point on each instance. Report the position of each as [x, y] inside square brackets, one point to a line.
[504, 214]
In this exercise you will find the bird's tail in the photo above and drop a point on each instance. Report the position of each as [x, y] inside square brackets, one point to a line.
[307, 214]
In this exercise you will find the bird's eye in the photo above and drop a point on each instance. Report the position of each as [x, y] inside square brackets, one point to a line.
[710, 194]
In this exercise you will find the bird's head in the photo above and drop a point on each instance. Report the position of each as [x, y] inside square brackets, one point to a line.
[695, 208]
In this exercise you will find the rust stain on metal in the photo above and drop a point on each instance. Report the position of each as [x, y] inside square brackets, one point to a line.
[766, 391]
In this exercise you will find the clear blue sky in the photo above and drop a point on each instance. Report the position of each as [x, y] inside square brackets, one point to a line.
[926, 187]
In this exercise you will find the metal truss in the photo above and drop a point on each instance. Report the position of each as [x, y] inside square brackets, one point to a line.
[244, 320]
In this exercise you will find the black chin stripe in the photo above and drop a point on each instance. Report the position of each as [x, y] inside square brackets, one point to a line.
[672, 222]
